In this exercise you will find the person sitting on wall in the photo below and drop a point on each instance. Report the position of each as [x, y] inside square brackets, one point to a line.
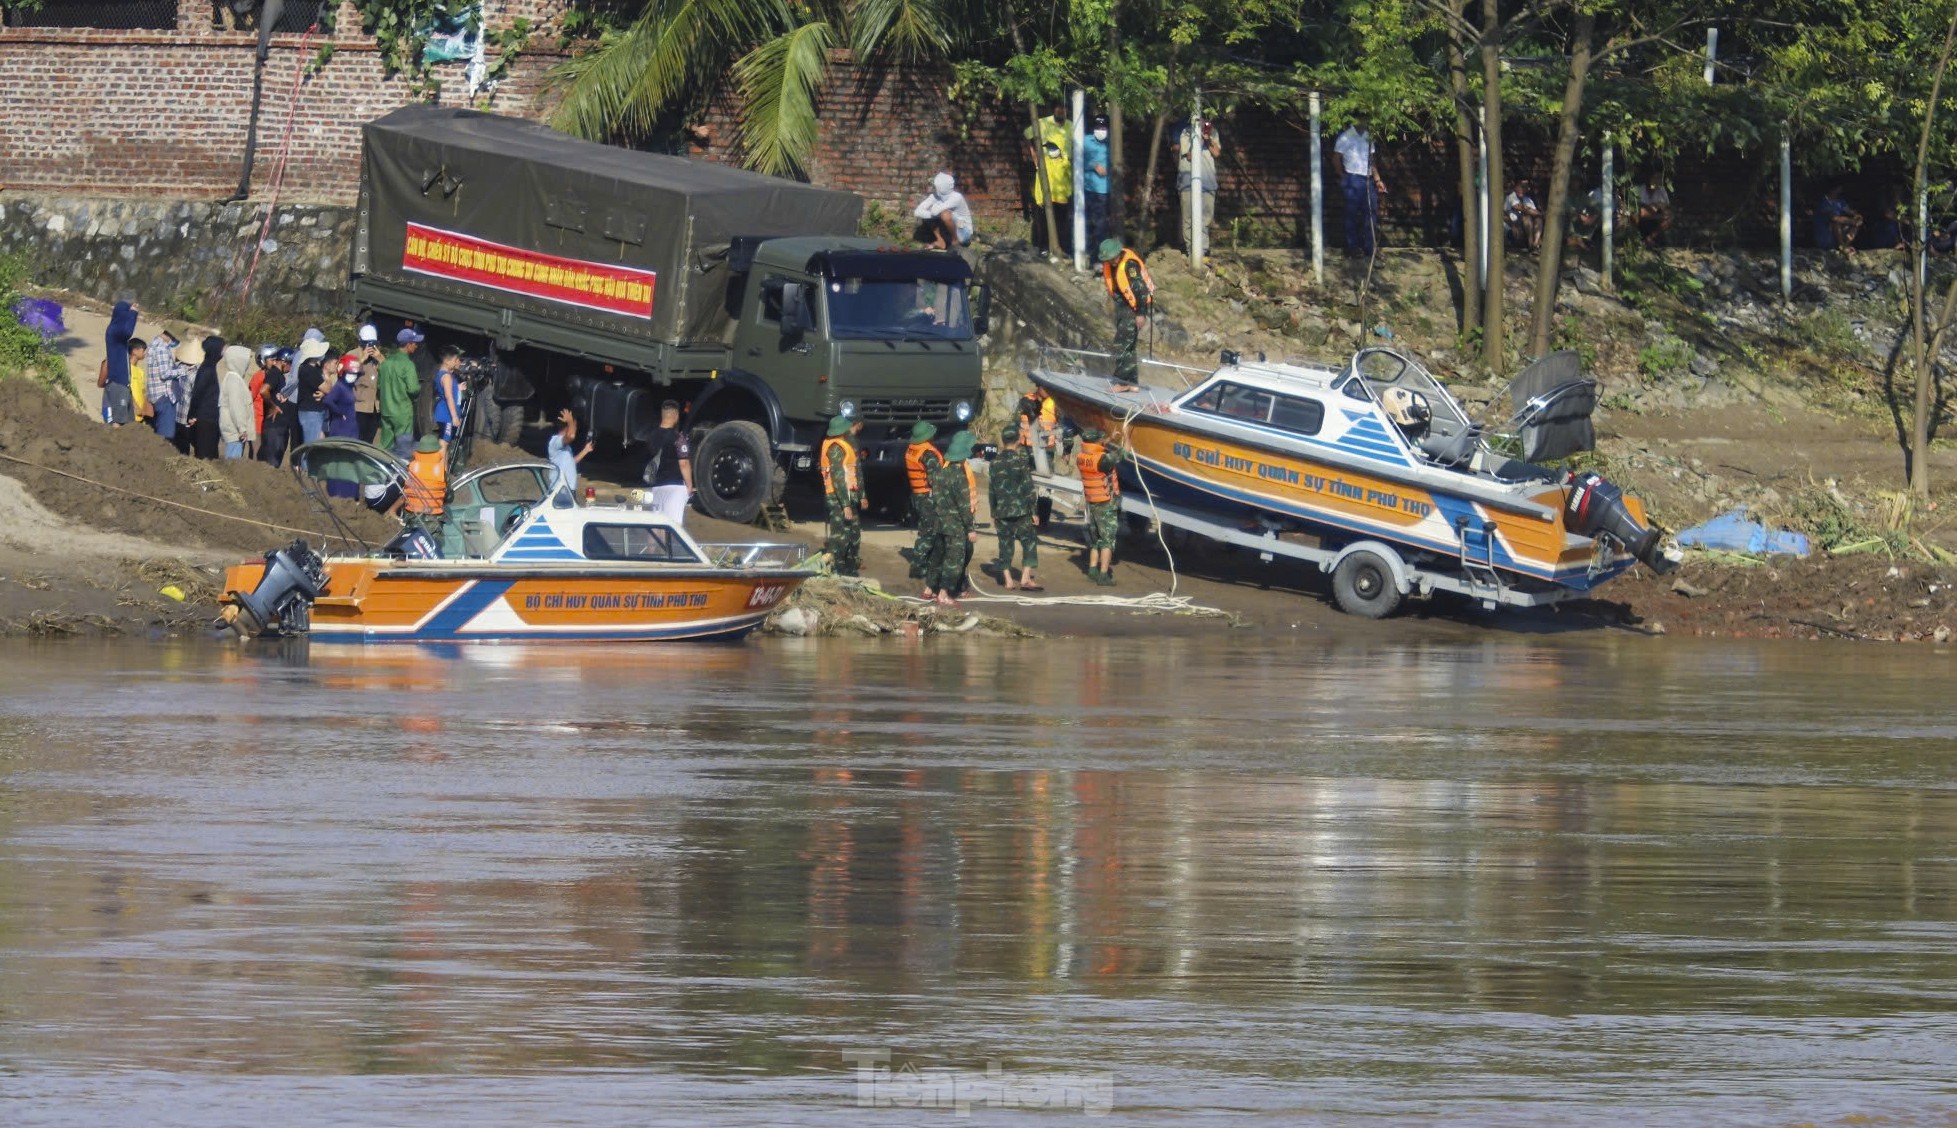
[1522, 217]
[1654, 210]
[1836, 222]
[945, 218]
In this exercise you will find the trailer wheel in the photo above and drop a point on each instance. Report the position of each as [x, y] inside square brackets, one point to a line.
[734, 471]
[1363, 585]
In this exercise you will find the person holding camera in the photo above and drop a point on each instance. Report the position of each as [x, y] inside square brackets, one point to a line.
[1197, 148]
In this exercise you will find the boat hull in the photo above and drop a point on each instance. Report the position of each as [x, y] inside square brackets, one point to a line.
[1523, 539]
[377, 601]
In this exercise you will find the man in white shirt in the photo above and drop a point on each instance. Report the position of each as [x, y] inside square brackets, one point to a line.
[1361, 186]
[947, 217]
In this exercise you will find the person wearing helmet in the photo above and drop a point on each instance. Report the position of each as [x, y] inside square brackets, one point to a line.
[1126, 276]
[842, 487]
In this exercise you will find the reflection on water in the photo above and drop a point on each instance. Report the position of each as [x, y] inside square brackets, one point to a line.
[1505, 879]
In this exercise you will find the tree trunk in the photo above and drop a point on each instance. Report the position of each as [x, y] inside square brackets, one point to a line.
[1549, 264]
[1494, 352]
[1465, 157]
[1147, 204]
[1117, 149]
[1926, 361]
[1042, 187]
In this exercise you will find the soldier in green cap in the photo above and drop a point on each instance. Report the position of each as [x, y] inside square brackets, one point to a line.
[842, 484]
[953, 504]
[1012, 500]
[920, 460]
[1101, 484]
[1126, 276]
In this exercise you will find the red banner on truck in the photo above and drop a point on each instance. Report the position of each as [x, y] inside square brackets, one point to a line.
[465, 258]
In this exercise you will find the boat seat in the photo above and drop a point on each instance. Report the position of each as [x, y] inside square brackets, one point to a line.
[1452, 450]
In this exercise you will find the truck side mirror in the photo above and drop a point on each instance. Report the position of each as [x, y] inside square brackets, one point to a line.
[981, 310]
[795, 316]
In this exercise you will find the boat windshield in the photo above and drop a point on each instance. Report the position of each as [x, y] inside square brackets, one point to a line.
[1384, 368]
[1244, 403]
[898, 309]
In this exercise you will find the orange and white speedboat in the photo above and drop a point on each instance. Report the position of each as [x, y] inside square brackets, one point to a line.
[514, 558]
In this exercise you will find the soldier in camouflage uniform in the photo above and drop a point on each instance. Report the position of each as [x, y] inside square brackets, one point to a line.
[952, 501]
[1099, 460]
[843, 484]
[1126, 277]
[920, 459]
[1012, 509]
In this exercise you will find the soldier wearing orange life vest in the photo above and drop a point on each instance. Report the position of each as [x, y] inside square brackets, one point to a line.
[921, 461]
[1126, 276]
[427, 489]
[1098, 462]
[842, 484]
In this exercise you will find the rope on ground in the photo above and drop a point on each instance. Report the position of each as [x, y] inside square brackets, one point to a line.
[172, 504]
[1153, 603]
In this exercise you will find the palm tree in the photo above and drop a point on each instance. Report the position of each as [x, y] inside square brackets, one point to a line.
[778, 51]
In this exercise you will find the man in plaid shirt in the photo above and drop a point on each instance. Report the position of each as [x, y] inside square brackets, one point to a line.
[164, 384]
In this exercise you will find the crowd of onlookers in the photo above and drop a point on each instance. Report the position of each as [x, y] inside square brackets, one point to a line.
[213, 398]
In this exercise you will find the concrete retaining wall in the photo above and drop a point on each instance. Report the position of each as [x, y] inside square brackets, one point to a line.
[182, 257]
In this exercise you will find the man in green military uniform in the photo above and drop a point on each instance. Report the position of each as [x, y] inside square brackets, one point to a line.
[921, 459]
[843, 485]
[1126, 277]
[951, 502]
[1012, 500]
[1099, 481]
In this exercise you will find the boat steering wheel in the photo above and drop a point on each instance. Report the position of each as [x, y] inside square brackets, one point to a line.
[517, 514]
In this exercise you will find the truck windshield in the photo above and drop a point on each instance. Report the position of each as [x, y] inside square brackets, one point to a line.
[898, 309]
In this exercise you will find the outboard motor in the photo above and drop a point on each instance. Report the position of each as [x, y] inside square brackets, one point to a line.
[283, 601]
[1596, 508]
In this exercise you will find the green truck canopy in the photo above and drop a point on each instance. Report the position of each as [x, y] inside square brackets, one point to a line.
[509, 213]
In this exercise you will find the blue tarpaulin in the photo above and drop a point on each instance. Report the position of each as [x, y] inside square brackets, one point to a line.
[1733, 532]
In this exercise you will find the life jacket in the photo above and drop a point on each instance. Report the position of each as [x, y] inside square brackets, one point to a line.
[1114, 276]
[914, 464]
[849, 464]
[1099, 485]
[428, 493]
[1033, 406]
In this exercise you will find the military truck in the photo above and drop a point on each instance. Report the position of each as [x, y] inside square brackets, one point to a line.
[608, 281]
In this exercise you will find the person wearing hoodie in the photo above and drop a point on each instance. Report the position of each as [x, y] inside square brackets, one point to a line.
[341, 418]
[118, 404]
[313, 375]
[235, 414]
[201, 419]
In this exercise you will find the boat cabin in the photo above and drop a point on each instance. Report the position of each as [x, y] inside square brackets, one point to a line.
[1382, 406]
[516, 514]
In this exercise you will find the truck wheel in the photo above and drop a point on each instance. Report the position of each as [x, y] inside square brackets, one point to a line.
[509, 429]
[734, 471]
[1363, 585]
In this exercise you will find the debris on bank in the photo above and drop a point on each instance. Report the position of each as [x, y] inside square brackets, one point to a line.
[842, 605]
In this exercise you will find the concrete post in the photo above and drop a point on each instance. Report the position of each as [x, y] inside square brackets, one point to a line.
[1609, 216]
[1786, 218]
[1080, 196]
[1196, 154]
[1481, 211]
[1317, 192]
[1712, 51]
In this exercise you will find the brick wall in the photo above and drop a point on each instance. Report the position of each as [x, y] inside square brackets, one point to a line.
[165, 112]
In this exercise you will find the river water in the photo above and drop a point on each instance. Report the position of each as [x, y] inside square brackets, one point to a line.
[1503, 880]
